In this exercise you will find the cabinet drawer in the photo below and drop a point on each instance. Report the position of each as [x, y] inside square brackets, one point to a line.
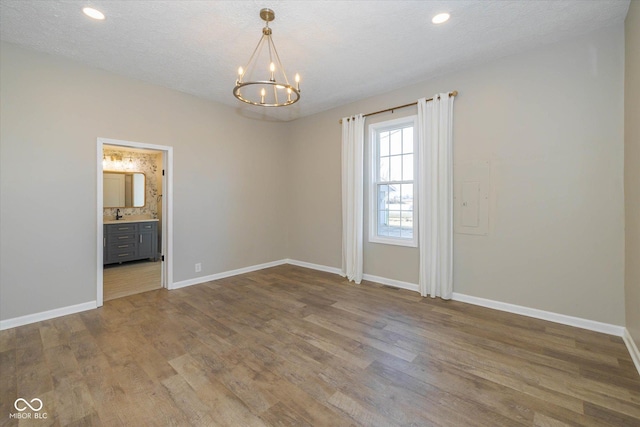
[112, 239]
[121, 228]
[122, 247]
[124, 256]
[147, 226]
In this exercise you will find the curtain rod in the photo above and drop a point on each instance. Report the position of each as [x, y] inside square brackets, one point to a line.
[454, 93]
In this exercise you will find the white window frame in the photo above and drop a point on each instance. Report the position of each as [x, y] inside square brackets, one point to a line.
[374, 148]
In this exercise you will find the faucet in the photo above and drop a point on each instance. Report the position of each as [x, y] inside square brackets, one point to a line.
[118, 216]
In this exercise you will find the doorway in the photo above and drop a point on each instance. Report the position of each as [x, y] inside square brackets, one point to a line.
[134, 194]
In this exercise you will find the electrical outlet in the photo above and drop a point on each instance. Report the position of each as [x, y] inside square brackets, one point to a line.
[198, 267]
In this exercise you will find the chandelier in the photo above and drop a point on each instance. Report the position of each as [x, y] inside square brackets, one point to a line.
[266, 85]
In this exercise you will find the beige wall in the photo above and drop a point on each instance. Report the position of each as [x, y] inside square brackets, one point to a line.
[229, 177]
[632, 170]
[550, 121]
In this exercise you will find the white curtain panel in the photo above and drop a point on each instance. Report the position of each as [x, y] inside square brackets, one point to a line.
[435, 196]
[352, 196]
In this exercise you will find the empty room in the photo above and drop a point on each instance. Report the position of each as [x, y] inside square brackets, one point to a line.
[320, 213]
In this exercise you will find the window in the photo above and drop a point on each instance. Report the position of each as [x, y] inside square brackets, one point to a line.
[392, 189]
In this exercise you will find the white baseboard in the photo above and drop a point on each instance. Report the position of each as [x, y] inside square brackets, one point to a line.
[46, 315]
[391, 282]
[318, 267]
[58, 312]
[633, 349]
[224, 274]
[578, 322]
[369, 277]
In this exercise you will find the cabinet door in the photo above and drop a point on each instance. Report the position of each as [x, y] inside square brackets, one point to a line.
[145, 246]
[148, 240]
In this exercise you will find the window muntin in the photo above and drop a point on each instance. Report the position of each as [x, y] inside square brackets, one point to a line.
[392, 190]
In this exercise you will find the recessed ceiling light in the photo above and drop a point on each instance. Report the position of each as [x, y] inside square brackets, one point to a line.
[93, 13]
[440, 18]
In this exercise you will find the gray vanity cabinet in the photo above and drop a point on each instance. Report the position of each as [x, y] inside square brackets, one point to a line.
[130, 241]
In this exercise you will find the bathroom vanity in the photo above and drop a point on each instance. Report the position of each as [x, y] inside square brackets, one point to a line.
[130, 240]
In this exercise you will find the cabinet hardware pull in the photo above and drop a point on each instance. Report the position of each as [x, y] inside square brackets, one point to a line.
[123, 237]
[141, 238]
[104, 242]
[123, 228]
[123, 246]
[123, 254]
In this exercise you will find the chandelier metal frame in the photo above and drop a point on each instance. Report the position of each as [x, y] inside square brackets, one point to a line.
[272, 92]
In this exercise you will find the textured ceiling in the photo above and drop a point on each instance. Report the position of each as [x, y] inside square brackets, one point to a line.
[344, 50]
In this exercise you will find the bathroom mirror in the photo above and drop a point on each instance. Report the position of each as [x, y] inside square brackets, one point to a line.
[123, 189]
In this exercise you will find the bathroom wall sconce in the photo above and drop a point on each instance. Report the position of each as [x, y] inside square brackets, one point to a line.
[114, 158]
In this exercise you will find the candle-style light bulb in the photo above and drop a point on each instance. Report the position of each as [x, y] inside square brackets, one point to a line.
[272, 68]
[297, 81]
[240, 72]
[288, 94]
[263, 93]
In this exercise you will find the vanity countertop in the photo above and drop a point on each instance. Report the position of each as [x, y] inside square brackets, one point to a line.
[127, 221]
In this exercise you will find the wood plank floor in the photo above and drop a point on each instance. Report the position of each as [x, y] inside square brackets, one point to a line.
[291, 346]
[122, 280]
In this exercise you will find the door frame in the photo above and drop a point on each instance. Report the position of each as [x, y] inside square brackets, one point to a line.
[167, 211]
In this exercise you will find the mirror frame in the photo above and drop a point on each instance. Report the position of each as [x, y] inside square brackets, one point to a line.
[125, 173]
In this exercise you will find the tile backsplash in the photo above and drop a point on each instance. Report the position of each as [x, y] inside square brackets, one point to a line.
[150, 165]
